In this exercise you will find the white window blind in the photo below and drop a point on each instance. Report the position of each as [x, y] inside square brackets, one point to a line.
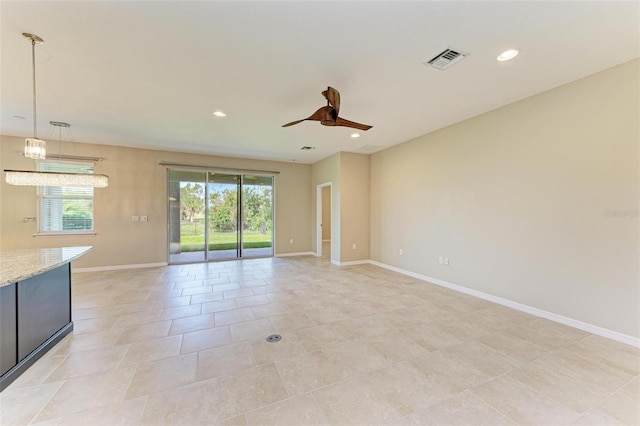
[63, 209]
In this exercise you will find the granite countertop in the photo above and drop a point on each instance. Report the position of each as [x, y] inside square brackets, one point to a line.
[20, 264]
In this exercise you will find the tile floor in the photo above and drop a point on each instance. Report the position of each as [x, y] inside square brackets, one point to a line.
[361, 345]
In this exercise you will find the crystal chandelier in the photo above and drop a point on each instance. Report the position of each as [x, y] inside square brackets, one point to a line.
[33, 147]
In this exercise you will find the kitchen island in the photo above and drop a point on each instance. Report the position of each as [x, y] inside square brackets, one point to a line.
[35, 305]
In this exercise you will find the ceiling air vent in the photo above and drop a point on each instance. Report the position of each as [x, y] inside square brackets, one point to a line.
[446, 58]
[308, 148]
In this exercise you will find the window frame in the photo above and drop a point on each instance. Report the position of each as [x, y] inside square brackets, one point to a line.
[41, 196]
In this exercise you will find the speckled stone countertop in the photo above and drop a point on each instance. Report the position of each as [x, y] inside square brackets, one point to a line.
[20, 264]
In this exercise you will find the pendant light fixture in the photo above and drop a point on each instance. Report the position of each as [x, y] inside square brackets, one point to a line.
[36, 148]
[33, 147]
[42, 178]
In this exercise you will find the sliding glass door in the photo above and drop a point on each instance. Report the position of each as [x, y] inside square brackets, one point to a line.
[218, 216]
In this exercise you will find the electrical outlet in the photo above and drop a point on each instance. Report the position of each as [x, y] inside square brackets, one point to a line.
[290, 240]
[441, 260]
[144, 219]
[400, 252]
[446, 260]
[354, 246]
[135, 218]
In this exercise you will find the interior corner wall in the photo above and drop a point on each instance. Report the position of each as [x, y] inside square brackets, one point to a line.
[355, 209]
[137, 186]
[536, 202]
[325, 171]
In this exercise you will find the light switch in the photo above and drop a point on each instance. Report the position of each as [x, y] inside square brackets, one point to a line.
[144, 219]
[135, 218]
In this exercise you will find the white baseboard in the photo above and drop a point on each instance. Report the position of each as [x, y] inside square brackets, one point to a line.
[594, 329]
[117, 267]
[301, 253]
[353, 262]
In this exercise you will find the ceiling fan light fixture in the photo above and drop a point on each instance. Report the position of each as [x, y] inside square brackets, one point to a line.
[507, 55]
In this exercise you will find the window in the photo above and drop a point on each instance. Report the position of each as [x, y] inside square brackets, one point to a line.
[64, 210]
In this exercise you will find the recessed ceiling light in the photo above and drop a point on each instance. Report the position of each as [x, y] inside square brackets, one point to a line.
[355, 135]
[507, 54]
[219, 114]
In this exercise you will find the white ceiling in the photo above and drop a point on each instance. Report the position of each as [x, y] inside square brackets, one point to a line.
[150, 74]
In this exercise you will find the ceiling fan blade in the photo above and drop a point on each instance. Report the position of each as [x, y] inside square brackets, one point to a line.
[333, 97]
[293, 123]
[325, 113]
[347, 123]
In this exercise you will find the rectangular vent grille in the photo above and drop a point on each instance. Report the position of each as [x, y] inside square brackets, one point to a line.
[446, 58]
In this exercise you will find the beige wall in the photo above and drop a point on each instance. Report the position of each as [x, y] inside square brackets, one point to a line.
[326, 213]
[137, 186]
[517, 199]
[355, 210]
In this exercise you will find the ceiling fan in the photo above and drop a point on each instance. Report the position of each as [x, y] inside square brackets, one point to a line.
[328, 115]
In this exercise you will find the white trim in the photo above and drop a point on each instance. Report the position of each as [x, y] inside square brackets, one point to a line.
[351, 263]
[335, 262]
[594, 329]
[300, 253]
[117, 267]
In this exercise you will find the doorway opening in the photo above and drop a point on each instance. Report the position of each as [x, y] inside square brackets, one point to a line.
[219, 216]
[323, 221]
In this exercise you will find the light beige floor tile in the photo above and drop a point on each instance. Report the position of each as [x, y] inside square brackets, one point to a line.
[267, 352]
[237, 293]
[205, 339]
[190, 291]
[250, 390]
[207, 297]
[123, 414]
[314, 338]
[300, 410]
[624, 404]
[594, 417]
[451, 374]
[304, 373]
[19, 405]
[517, 348]
[269, 310]
[396, 347]
[189, 324]
[415, 419]
[38, 372]
[234, 421]
[148, 331]
[157, 376]
[181, 311]
[547, 334]
[194, 404]
[87, 341]
[466, 409]
[482, 357]
[350, 402]
[234, 316]
[152, 350]
[219, 306]
[290, 322]
[613, 354]
[250, 330]
[92, 325]
[522, 404]
[224, 361]
[87, 393]
[88, 362]
[248, 301]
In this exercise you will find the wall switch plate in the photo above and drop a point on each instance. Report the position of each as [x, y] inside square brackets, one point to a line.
[135, 218]
[354, 246]
[441, 260]
[144, 219]
[446, 260]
